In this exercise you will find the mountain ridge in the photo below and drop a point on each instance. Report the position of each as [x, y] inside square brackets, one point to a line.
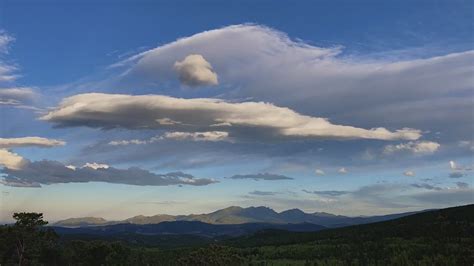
[239, 215]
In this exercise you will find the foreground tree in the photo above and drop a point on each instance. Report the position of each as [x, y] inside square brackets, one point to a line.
[28, 242]
[27, 225]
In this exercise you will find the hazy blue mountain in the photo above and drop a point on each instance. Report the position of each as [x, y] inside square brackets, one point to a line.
[238, 215]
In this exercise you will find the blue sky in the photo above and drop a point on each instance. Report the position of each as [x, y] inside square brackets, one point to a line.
[278, 70]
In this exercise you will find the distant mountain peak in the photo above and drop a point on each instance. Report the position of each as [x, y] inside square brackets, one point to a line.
[237, 215]
[295, 210]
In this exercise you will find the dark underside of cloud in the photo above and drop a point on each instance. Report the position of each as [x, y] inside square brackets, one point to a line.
[35, 174]
[331, 193]
[261, 176]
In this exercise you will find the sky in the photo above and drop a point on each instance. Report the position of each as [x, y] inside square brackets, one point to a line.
[119, 108]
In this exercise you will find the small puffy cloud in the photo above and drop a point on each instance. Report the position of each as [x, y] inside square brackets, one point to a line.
[342, 170]
[453, 165]
[409, 173]
[72, 167]
[259, 119]
[29, 142]
[11, 160]
[327, 193]
[319, 172]
[415, 147]
[94, 166]
[261, 176]
[262, 193]
[34, 174]
[195, 70]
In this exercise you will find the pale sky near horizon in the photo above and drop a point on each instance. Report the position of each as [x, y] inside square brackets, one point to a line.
[119, 108]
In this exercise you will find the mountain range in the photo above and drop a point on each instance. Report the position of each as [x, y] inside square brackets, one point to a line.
[237, 215]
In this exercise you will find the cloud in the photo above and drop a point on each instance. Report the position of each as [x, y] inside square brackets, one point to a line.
[415, 147]
[14, 161]
[212, 136]
[469, 144]
[432, 93]
[458, 171]
[18, 96]
[261, 176]
[194, 70]
[94, 166]
[29, 142]
[245, 119]
[11, 160]
[462, 185]
[327, 193]
[5, 40]
[453, 165]
[342, 170]
[262, 193]
[398, 196]
[456, 175]
[426, 186]
[409, 173]
[319, 172]
[34, 174]
[6, 70]
[447, 197]
[198, 136]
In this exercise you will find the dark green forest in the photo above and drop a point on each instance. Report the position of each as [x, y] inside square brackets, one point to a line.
[440, 237]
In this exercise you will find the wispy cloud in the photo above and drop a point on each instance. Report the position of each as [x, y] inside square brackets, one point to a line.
[34, 174]
[261, 176]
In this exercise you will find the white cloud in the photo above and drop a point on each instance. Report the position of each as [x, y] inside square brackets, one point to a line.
[194, 70]
[5, 40]
[453, 165]
[11, 160]
[128, 142]
[342, 170]
[415, 147]
[239, 119]
[29, 141]
[94, 166]
[212, 136]
[198, 136]
[72, 167]
[319, 172]
[409, 173]
[17, 95]
[14, 161]
[6, 70]
[264, 64]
